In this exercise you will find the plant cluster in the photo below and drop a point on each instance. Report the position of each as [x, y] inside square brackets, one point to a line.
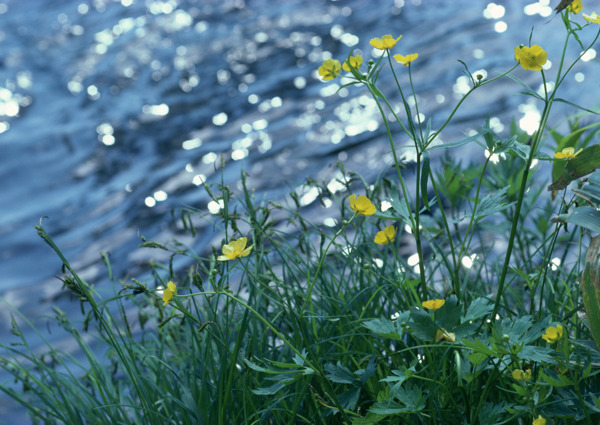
[494, 319]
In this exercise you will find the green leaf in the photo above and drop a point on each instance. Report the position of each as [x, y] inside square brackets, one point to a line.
[591, 288]
[520, 82]
[480, 307]
[449, 315]
[532, 353]
[515, 329]
[458, 143]
[391, 408]
[477, 358]
[367, 372]
[591, 191]
[400, 375]
[386, 327]
[591, 111]
[492, 203]
[273, 389]
[583, 164]
[491, 413]
[374, 89]
[421, 325]
[340, 374]
[258, 368]
[349, 399]
[587, 217]
[370, 419]
[478, 346]
[555, 379]
[411, 397]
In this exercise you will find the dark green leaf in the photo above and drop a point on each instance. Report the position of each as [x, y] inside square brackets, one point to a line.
[340, 374]
[591, 288]
[477, 358]
[514, 328]
[421, 325]
[385, 327]
[587, 217]
[479, 346]
[367, 372]
[273, 389]
[369, 419]
[532, 353]
[480, 307]
[349, 399]
[449, 315]
[591, 191]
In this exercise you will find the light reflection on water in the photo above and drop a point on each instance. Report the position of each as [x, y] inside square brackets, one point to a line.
[127, 108]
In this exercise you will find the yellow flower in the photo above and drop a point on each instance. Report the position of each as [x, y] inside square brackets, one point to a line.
[594, 18]
[433, 304]
[330, 69]
[169, 292]
[575, 7]
[235, 249]
[386, 236]
[445, 335]
[362, 205]
[521, 375]
[553, 334]
[531, 58]
[567, 153]
[384, 43]
[353, 61]
[406, 60]
[539, 421]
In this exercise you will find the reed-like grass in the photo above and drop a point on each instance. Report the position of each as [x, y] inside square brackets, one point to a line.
[470, 311]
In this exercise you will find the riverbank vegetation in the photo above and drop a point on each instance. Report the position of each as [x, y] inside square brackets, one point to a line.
[470, 296]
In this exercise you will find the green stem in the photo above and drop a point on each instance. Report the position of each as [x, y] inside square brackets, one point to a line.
[417, 230]
[432, 137]
[535, 145]
[313, 366]
[516, 215]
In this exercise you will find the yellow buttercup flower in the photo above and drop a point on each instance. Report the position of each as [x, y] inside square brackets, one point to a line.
[539, 421]
[330, 69]
[445, 335]
[521, 375]
[567, 153]
[169, 292]
[531, 58]
[235, 249]
[353, 61]
[406, 60]
[386, 236]
[433, 304]
[575, 7]
[362, 205]
[553, 334]
[384, 43]
[594, 18]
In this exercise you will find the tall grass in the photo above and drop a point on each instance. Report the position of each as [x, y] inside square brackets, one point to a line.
[302, 323]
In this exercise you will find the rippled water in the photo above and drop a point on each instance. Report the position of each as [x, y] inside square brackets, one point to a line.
[113, 113]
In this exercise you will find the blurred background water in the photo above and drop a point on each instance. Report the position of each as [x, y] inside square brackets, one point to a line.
[113, 113]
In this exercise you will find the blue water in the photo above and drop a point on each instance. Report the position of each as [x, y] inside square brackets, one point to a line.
[113, 113]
